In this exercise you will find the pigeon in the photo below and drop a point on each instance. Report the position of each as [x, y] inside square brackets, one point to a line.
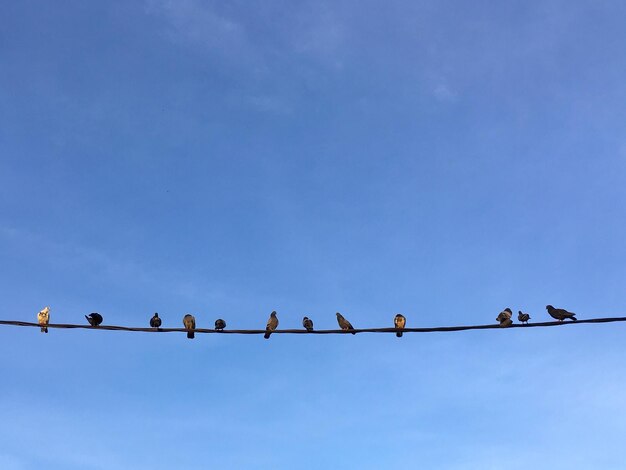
[43, 318]
[94, 318]
[155, 321]
[189, 322]
[343, 323]
[399, 322]
[560, 314]
[504, 318]
[523, 317]
[272, 324]
[220, 324]
[307, 323]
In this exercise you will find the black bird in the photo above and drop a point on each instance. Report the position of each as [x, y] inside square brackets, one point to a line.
[220, 324]
[399, 322]
[94, 319]
[272, 324]
[344, 324]
[523, 317]
[189, 323]
[307, 323]
[560, 314]
[155, 321]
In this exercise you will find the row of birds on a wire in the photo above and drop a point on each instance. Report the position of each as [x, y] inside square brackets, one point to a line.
[504, 319]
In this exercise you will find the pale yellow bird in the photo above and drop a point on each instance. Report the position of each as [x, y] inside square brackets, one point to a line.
[43, 318]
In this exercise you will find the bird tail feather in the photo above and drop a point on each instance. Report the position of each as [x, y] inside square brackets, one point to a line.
[399, 334]
[190, 335]
[574, 318]
[267, 335]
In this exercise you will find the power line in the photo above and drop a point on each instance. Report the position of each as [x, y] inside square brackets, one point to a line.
[314, 332]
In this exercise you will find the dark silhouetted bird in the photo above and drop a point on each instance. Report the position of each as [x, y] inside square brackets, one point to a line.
[220, 324]
[560, 314]
[344, 324]
[307, 323]
[272, 324]
[43, 318]
[504, 317]
[155, 321]
[399, 322]
[189, 322]
[522, 317]
[94, 319]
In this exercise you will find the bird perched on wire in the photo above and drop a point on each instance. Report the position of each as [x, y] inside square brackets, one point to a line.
[504, 317]
[272, 324]
[399, 322]
[189, 322]
[43, 318]
[344, 324]
[94, 318]
[560, 314]
[220, 324]
[307, 323]
[155, 321]
[522, 317]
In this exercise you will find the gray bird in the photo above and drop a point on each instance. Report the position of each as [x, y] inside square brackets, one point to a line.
[522, 317]
[189, 322]
[307, 323]
[343, 323]
[560, 314]
[155, 321]
[504, 317]
[272, 324]
[399, 322]
[220, 324]
[43, 318]
[94, 318]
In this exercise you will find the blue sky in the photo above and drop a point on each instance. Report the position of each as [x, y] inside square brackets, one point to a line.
[440, 159]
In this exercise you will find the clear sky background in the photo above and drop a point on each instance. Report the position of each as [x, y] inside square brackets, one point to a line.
[436, 158]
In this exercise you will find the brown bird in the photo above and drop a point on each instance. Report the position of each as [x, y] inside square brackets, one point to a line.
[307, 323]
[155, 321]
[504, 317]
[343, 323]
[272, 324]
[189, 322]
[399, 322]
[560, 314]
[43, 318]
[522, 317]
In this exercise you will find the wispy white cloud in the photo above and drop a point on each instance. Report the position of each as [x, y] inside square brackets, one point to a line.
[443, 93]
[312, 31]
[114, 268]
[197, 23]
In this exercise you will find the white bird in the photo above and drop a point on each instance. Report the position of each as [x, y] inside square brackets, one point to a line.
[43, 318]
